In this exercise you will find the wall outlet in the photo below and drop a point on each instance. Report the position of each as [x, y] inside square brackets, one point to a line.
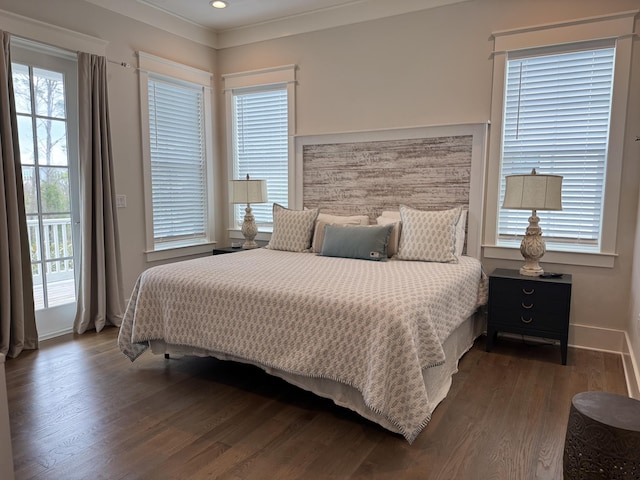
[121, 201]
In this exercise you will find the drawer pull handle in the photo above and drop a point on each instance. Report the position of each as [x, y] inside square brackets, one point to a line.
[528, 292]
[527, 306]
[526, 321]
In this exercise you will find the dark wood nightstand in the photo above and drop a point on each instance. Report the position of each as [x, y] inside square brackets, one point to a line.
[223, 250]
[534, 306]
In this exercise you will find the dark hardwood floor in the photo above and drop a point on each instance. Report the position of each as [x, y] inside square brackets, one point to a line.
[80, 410]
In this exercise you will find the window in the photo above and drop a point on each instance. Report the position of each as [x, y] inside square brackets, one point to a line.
[178, 164]
[260, 148]
[556, 119]
[559, 105]
[260, 123]
[176, 123]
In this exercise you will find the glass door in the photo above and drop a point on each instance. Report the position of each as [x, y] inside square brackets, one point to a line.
[45, 93]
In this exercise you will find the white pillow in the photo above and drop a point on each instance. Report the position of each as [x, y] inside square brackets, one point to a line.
[325, 219]
[391, 214]
[428, 236]
[342, 219]
[292, 229]
[394, 238]
[461, 232]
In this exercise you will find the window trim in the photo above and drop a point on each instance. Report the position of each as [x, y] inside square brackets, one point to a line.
[620, 27]
[284, 75]
[175, 73]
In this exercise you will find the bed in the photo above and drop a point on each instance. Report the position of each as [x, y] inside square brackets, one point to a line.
[375, 327]
[382, 338]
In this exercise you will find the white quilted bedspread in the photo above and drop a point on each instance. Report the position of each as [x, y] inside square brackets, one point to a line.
[371, 325]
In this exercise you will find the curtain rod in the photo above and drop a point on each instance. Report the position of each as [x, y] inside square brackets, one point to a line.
[122, 64]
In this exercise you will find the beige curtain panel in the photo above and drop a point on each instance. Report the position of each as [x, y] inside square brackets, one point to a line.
[17, 312]
[100, 299]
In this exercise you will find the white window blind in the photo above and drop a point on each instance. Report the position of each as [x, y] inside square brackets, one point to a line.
[260, 147]
[556, 119]
[178, 163]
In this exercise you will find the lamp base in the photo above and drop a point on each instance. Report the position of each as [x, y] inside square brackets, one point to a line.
[249, 244]
[249, 229]
[532, 248]
[531, 272]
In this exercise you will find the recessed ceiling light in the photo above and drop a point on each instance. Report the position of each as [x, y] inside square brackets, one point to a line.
[218, 4]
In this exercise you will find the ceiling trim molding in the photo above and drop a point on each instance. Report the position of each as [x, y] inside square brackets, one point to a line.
[169, 22]
[32, 29]
[341, 15]
[336, 16]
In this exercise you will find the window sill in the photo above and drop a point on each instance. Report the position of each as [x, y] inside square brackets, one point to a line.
[260, 237]
[602, 260]
[179, 251]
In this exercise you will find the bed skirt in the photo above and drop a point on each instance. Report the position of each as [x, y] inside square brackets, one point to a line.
[438, 379]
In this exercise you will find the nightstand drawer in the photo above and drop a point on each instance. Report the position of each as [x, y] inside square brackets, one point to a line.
[529, 319]
[536, 297]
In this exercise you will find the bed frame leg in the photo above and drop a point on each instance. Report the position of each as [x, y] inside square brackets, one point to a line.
[166, 355]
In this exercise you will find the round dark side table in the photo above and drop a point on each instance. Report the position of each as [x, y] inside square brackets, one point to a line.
[603, 437]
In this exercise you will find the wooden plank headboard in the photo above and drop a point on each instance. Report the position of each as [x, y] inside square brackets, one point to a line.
[368, 172]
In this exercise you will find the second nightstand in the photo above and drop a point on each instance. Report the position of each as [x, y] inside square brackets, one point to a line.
[534, 306]
[223, 250]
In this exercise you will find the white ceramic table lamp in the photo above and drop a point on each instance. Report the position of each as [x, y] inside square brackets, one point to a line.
[248, 192]
[533, 192]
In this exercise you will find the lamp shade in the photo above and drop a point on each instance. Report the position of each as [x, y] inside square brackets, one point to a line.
[533, 192]
[248, 191]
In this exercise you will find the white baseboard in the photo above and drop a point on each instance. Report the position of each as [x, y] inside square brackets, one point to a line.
[631, 370]
[609, 340]
[57, 333]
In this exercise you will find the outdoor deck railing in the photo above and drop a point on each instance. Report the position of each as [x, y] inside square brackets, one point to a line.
[58, 253]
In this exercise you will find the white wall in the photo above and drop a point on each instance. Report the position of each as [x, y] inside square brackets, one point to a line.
[435, 67]
[633, 325]
[426, 68]
[124, 37]
[633, 154]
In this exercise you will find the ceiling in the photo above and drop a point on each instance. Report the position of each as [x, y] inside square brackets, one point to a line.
[247, 21]
[241, 13]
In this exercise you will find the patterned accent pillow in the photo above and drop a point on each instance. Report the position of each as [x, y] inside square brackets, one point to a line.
[428, 236]
[461, 228]
[292, 229]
